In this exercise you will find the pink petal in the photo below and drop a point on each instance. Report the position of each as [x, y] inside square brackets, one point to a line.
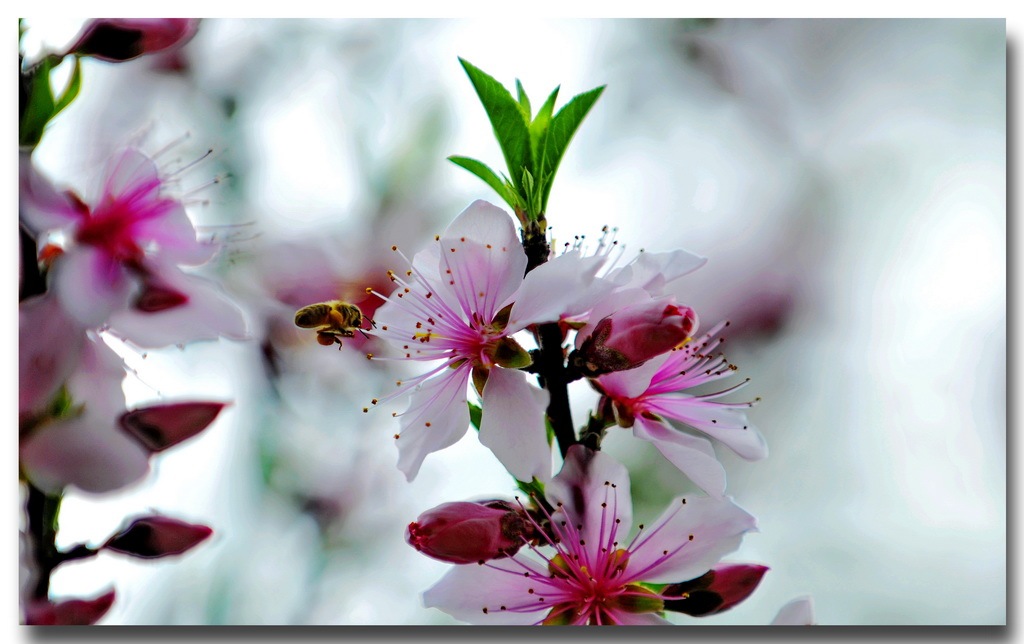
[652, 271]
[49, 349]
[90, 285]
[631, 383]
[159, 427]
[207, 313]
[437, 417]
[799, 612]
[717, 526]
[587, 480]
[89, 452]
[513, 426]
[485, 257]
[722, 422]
[174, 234]
[693, 456]
[565, 286]
[131, 173]
[609, 304]
[157, 536]
[466, 590]
[69, 612]
[40, 206]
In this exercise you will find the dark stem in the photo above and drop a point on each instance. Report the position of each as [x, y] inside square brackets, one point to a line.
[602, 418]
[42, 527]
[32, 281]
[550, 361]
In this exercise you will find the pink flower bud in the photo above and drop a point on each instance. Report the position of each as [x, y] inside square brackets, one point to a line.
[633, 335]
[156, 536]
[466, 532]
[72, 612]
[120, 39]
[718, 590]
[159, 427]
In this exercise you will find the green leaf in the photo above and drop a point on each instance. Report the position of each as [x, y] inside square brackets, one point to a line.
[539, 129]
[475, 414]
[483, 171]
[534, 488]
[560, 132]
[71, 91]
[524, 100]
[507, 118]
[39, 104]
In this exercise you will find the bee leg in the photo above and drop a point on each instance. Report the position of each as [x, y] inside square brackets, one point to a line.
[364, 334]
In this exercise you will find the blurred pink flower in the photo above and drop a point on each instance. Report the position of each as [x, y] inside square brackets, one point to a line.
[120, 39]
[648, 397]
[49, 348]
[115, 239]
[588, 573]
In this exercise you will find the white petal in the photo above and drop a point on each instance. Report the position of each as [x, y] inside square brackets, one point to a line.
[437, 417]
[130, 171]
[207, 315]
[486, 259]
[717, 526]
[513, 426]
[565, 286]
[799, 612]
[589, 479]
[640, 619]
[467, 589]
[693, 455]
[90, 285]
[652, 271]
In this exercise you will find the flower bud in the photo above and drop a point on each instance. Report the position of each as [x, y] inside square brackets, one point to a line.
[120, 39]
[466, 532]
[717, 590]
[72, 612]
[159, 427]
[156, 536]
[633, 335]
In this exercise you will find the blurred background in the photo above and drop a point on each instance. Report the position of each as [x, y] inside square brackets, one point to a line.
[846, 178]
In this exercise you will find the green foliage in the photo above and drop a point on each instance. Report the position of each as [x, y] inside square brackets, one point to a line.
[533, 145]
[38, 104]
[533, 489]
[475, 414]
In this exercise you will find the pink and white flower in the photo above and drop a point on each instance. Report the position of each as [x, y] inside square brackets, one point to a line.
[651, 396]
[120, 260]
[460, 302]
[589, 571]
[120, 39]
[114, 240]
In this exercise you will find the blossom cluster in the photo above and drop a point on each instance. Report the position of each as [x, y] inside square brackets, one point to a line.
[562, 553]
[103, 269]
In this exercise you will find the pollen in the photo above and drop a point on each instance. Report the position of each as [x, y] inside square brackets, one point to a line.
[426, 424]
[394, 248]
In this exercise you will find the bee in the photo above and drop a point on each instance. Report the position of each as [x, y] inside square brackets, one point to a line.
[332, 320]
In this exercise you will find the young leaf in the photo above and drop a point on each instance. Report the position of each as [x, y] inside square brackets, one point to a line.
[538, 131]
[524, 100]
[38, 106]
[483, 171]
[475, 414]
[507, 118]
[561, 130]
